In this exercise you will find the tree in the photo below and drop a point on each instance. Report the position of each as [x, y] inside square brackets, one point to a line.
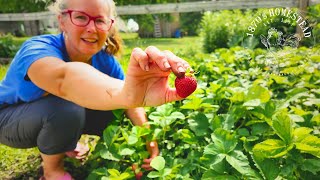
[25, 6]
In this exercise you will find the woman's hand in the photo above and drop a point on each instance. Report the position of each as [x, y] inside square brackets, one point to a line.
[153, 149]
[146, 82]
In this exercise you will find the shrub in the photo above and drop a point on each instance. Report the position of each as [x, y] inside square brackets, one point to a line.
[7, 47]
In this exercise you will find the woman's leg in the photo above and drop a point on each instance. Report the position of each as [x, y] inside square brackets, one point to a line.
[97, 121]
[51, 123]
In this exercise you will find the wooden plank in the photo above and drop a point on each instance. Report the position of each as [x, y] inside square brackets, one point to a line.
[26, 16]
[204, 6]
[174, 7]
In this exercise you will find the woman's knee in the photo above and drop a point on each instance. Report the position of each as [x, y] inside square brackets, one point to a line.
[62, 127]
[66, 114]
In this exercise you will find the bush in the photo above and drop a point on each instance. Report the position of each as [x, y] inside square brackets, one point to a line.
[222, 29]
[7, 47]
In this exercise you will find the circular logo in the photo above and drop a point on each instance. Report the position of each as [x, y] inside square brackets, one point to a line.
[280, 31]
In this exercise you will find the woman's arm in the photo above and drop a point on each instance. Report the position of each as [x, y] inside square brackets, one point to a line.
[137, 116]
[146, 82]
[78, 82]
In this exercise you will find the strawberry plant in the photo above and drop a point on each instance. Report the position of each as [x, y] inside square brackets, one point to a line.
[244, 121]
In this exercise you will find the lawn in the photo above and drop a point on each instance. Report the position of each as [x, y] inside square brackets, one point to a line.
[25, 163]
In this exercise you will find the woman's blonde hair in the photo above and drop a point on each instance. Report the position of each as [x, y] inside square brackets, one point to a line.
[114, 41]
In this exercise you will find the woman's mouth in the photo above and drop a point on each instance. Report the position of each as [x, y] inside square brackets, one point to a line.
[89, 40]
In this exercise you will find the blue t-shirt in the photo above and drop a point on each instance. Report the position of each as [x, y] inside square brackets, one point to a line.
[16, 86]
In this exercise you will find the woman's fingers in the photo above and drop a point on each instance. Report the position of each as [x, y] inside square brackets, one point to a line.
[158, 57]
[179, 66]
[140, 58]
[165, 60]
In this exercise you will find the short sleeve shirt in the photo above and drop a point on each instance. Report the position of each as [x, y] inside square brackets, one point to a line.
[16, 86]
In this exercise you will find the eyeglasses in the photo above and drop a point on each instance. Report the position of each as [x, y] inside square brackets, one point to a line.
[82, 19]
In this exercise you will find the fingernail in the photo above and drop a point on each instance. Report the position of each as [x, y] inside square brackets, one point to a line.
[146, 68]
[181, 69]
[166, 65]
[152, 144]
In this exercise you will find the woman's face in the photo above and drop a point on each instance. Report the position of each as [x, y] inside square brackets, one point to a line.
[88, 40]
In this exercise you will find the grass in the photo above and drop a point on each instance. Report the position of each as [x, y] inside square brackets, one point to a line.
[25, 163]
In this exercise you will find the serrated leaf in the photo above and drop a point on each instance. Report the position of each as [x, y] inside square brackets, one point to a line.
[177, 115]
[311, 165]
[282, 125]
[211, 174]
[194, 103]
[238, 97]
[316, 119]
[132, 139]
[270, 148]
[279, 79]
[252, 103]
[199, 124]
[223, 141]
[114, 172]
[124, 175]
[234, 114]
[118, 113]
[126, 151]
[158, 163]
[110, 154]
[110, 134]
[299, 111]
[296, 118]
[186, 136]
[301, 133]
[269, 108]
[258, 92]
[240, 162]
[310, 144]
[165, 110]
[153, 174]
[269, 168]
[312, 101]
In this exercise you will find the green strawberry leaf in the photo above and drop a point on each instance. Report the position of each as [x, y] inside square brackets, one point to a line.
[258, 92]
[110, 134]
[223, 141]
[311, 165]
[282, 125]
[199, 124]
[269, 168]
[158, 163]
[309, 144]
[270, 148]
[240, 162]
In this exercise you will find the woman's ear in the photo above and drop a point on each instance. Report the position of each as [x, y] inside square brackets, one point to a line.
[61, 23]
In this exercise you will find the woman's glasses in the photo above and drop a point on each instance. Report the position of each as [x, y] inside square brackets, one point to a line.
[82, 19]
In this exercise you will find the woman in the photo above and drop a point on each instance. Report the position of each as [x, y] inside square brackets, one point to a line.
[61, 86]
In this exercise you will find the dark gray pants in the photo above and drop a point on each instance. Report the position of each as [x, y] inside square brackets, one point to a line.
[51, 123]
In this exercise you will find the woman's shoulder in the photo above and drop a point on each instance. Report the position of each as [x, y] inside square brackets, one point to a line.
[47, 38]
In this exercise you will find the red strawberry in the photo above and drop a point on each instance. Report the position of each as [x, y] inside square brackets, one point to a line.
[137, 172]
[185, 85]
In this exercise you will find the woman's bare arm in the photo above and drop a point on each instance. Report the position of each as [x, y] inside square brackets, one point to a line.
[78, 82]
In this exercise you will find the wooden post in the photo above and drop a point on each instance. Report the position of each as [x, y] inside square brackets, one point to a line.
[303, 5]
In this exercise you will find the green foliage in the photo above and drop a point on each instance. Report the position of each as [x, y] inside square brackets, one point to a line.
[222, 29]
[245, 121]
[230, 28]
[16, 6]
[7, 47]
[190, 23]
[16, 161]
